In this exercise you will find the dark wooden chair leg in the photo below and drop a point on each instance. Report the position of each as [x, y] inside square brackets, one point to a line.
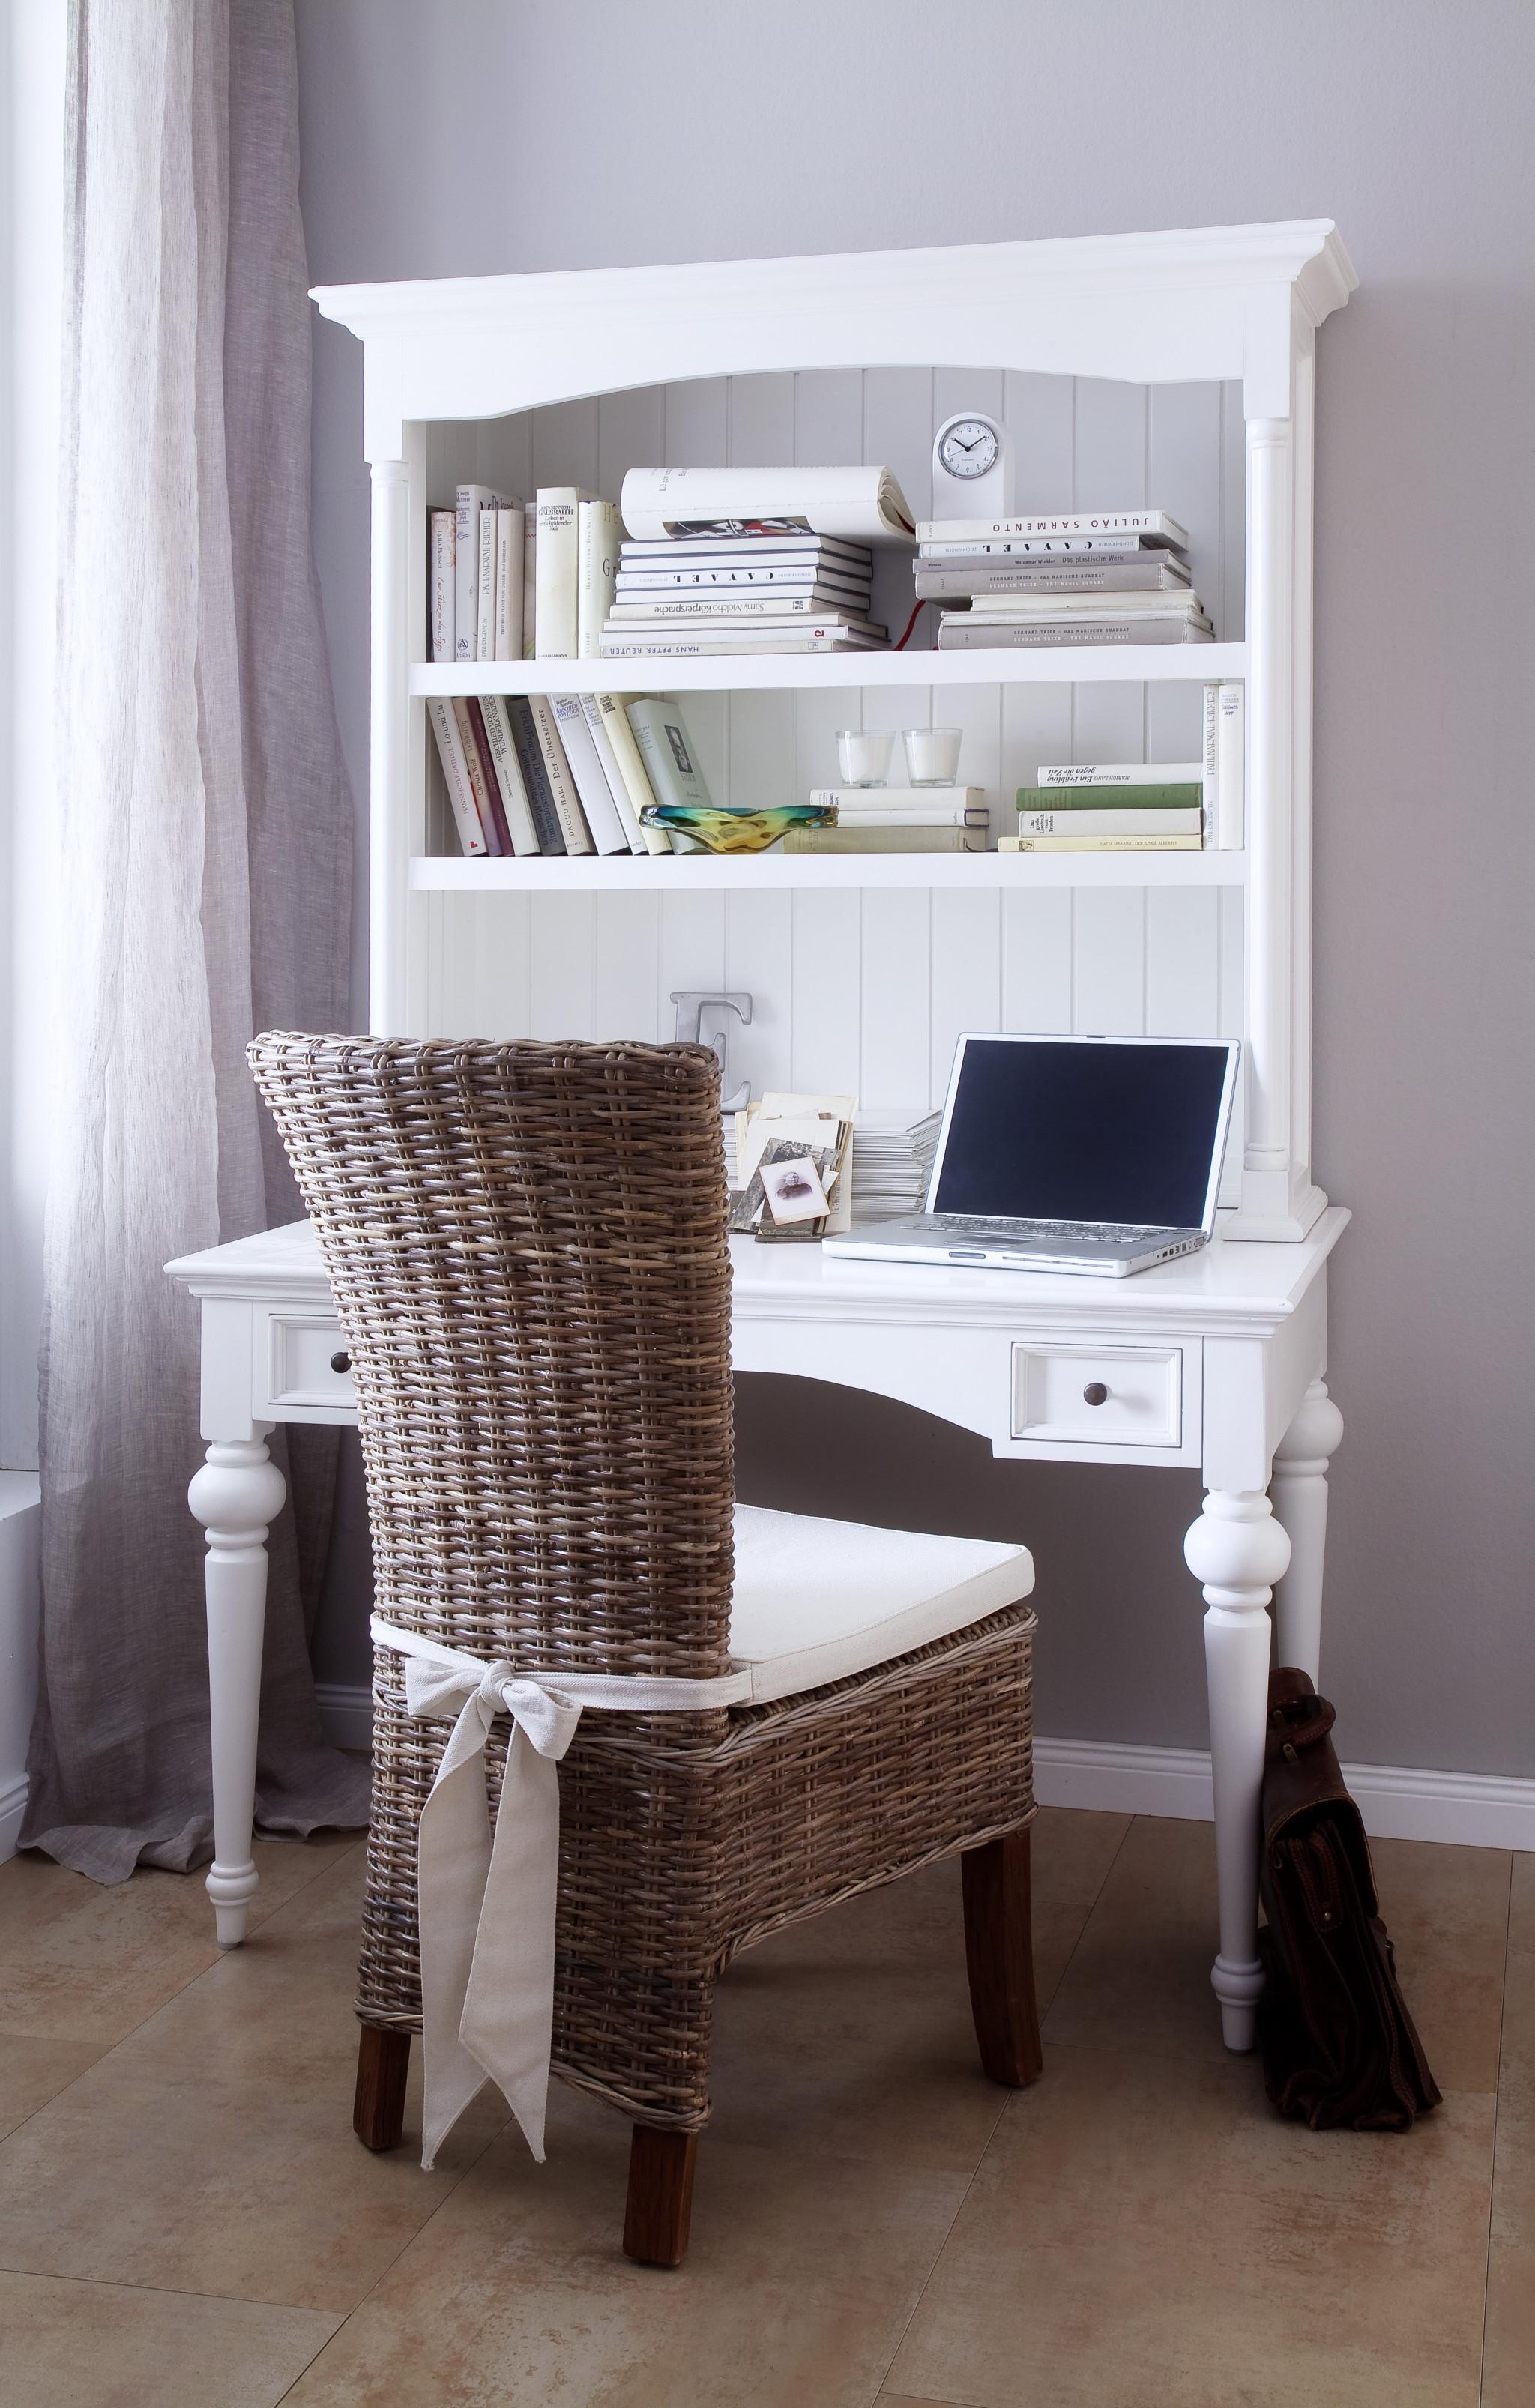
[999, 1956]
[660, 2201]
[383, 2061]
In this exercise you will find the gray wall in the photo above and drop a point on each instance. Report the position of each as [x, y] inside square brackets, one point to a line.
[475, 135]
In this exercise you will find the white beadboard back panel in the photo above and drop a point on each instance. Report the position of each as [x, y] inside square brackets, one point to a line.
[868, 991]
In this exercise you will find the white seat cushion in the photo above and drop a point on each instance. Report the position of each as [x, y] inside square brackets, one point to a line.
[815, 1600]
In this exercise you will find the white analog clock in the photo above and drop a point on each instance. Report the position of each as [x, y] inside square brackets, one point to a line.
[969, 446]
[973, 468]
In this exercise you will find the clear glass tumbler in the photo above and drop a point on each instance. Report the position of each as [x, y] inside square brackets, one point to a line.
[862, 755]
[932, 754]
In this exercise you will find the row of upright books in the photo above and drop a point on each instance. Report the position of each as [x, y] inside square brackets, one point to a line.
[512, 581]
[1085, 576]
[562, 773]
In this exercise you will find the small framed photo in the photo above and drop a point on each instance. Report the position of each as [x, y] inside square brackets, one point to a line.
[793, 1191]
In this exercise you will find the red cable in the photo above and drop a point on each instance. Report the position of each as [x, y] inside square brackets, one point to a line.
[910, 623]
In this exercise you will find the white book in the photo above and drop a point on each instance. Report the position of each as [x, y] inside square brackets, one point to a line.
[484, 640]
[508, 583]
[1123, 773]
[623, 801]
[910, 815]
[1039, 550]
[1211, 765]
[912, 806]
[472, 499]
[805, 638]
[654, 581]
[1083, 607]
[455, 771]
[442, 526]
[863, 502]
[1099, 844]
[1231, 774]
[998, 634]
[599, 531]
[608, 834]
[631, 768]
[723, 552]
[1153, 822]
[562, 785]
[767, 623]
[557, 570]
[530, 583]
[813, 603]
[1150, 526]
[509, 775]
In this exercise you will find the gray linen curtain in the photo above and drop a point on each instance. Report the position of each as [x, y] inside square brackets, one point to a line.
[204, 850]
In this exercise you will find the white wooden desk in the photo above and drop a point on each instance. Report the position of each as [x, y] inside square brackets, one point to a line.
[1215, 1361]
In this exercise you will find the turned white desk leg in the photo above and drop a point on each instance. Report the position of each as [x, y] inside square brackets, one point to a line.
[1299, 1493]
[236, 1496]
[1237, 1551]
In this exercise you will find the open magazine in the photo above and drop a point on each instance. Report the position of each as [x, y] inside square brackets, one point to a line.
[859, 502]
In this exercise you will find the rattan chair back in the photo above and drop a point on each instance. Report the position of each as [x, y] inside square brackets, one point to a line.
[527, 1246]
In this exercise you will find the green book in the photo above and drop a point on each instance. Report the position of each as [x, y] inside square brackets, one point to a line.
[667, 751]
[885, 840]
[1118, 798]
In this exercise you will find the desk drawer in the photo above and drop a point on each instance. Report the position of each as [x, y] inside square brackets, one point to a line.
[301, 1353]
[1099, 1396]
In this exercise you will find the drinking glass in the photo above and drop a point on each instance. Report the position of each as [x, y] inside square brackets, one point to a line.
[862, 755]
[932, 754]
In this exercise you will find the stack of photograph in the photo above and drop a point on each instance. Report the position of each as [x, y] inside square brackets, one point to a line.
[1087, 577]
[749, 560]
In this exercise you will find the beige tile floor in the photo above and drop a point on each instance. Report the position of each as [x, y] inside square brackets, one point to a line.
[186, 2221]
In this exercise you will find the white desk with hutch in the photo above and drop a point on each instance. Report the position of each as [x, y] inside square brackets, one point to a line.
[1174, 371]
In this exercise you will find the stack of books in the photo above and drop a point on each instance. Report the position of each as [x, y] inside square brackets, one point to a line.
[1144, 806]
[1160, 808]
[896, 819]
[694, 596]
[1090, 577]
[559, 773]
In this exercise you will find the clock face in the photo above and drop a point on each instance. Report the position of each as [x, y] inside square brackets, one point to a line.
[969, 446]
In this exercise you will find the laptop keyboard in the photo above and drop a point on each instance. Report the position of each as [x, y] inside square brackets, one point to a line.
[1106, 1233]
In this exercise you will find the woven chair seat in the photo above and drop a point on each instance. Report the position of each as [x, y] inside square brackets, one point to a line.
[816, 1601]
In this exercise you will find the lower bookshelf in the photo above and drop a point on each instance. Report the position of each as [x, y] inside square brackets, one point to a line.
[700, 873]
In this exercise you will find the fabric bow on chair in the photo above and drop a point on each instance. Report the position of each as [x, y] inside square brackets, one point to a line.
[487, 1903]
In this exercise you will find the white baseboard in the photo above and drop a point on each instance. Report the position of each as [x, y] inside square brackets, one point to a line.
[13, 1802]
[1469, 1810]
[346, 1714]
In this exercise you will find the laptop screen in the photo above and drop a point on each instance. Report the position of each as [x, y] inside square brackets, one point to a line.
[1073, 1131]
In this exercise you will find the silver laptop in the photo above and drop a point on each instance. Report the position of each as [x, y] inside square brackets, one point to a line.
[1070, 1153]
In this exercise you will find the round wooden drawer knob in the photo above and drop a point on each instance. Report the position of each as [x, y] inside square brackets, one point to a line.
[341, 1362]
[1095, 1393]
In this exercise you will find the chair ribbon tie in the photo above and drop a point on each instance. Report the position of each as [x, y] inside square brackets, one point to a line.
[487, 1898]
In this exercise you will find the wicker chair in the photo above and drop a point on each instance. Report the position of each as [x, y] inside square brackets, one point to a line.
[526, 1244]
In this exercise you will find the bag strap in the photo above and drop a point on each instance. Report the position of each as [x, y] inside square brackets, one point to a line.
[1297, 1717]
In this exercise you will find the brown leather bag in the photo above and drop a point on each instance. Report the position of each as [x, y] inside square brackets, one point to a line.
[1339, 2046]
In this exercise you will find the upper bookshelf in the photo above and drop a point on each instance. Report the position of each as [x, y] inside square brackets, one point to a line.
[1173, 370]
